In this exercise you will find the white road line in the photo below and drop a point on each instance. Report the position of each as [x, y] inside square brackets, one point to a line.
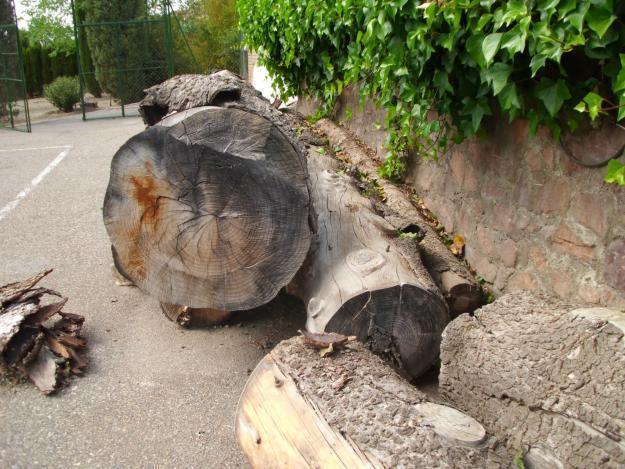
[4, 211]
[33, 148]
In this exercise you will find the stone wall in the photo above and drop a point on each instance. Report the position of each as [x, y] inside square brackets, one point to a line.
[532, 218]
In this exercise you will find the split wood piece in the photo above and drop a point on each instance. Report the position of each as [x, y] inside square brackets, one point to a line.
[542, 375]
[355, 281]
[210, 212]
[451, 275]
[29, 346]
[194, 317]
[351, 411]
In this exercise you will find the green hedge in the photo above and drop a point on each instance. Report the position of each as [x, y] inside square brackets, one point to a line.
[42, 66]
[551, 61]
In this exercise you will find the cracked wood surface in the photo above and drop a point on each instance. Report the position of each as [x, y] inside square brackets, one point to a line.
[351, 410]
[356, 280]
[210, 210]
[451, 275]
[541, 375]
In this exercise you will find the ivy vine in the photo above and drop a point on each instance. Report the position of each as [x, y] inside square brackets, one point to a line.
[439, 67]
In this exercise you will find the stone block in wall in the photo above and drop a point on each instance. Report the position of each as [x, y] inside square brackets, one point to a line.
[590, 210]
[568, 240]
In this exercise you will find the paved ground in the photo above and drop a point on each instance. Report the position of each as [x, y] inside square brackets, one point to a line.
[155, 395]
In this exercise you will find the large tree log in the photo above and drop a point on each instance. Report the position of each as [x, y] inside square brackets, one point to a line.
[350, 410]
[543, 376]
[450, 274]
[356, 281]
[210, 212]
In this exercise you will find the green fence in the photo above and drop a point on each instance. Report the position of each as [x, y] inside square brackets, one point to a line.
[13, 100]
[138, 54]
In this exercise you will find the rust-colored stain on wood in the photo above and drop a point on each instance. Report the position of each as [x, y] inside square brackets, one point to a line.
[145, 193]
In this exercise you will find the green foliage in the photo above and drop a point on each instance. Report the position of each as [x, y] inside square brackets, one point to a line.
[439, 67]
[518, 461]
[122, 53]
[212, 30]
[615, 173]
[50, 25]
[63, 93]
[42, 64]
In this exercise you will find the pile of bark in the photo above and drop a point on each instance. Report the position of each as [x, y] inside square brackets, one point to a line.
[224, 200]
[38, 340]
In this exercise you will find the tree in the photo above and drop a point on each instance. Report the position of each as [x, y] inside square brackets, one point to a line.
[50, 24]
[119, 51]
[212, 29]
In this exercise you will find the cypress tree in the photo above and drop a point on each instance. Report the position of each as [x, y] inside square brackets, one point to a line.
[119, 52]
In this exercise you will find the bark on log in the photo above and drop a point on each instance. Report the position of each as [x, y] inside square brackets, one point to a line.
[356, 281]
[451, 275]
[544, 376]
[210, 210]
[350, 410]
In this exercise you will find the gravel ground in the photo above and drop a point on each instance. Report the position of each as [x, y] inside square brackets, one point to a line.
[155, 395]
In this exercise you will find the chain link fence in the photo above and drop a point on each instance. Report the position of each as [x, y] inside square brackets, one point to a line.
[137, 54]
[13, 100]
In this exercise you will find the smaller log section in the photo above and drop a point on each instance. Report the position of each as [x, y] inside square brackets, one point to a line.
[450, 274]
[542, 376]
[209, 211]
[48, 354]
[350, 410]
[356, 281]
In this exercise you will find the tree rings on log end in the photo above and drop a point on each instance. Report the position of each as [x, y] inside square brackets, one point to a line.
[404, 323]
[210, 212]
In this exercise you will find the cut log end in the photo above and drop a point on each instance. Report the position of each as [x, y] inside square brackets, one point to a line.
[351, 411]
[403, 323]
[210, 212]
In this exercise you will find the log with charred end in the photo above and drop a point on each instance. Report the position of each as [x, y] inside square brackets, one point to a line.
[542, 375]
[356, 281]
[351, 410]
[194, 317]
[210, 212]
[451, 275]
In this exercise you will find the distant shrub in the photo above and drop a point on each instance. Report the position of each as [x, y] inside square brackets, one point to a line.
[63, 93]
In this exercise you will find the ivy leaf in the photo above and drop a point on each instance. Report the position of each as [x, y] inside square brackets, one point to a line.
[490, 46]
[514, 40]
[508, 98]
[474, 46]
[537, 62]
[580, 107]
[599, 20]
[497, 76]
[621, 109]
[566, 6]
[615, 173]
[552, 94]
[594, 102]
[619, 81]
[441, 81]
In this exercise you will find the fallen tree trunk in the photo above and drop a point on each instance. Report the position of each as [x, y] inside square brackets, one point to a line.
[29, 346]
[210, 211]
[356, 281]
[350, 410]
[451, 275]
[542, 376]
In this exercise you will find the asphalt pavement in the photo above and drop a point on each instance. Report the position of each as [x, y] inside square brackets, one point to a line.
[155, 395]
